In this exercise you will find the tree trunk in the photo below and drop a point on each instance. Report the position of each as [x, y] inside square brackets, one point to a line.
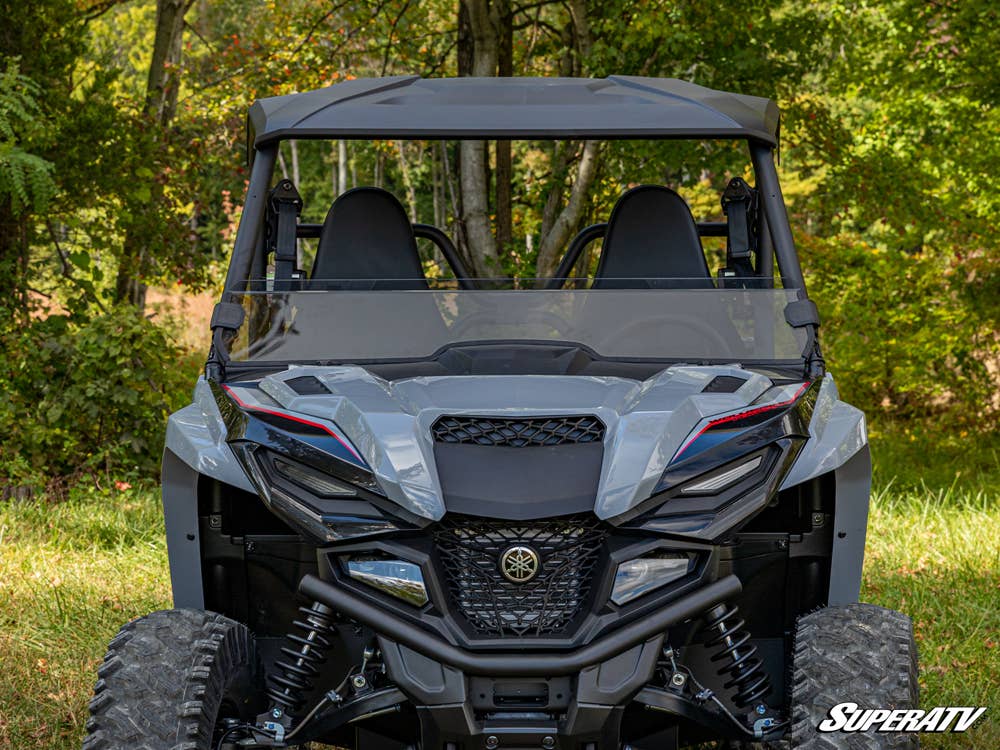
[341, 166]
[505, 168]
[557, 234]
[14, 261]
[162, 86]
[411, 192]
[559, 226]
[473, 162]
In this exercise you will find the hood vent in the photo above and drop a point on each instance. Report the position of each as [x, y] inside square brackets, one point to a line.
[307, 385]
[518, 433]
[724, 384]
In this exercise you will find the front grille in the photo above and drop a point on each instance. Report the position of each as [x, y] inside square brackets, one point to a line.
[569, 550]
[518, 433]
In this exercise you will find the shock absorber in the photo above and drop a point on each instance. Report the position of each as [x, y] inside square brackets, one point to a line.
[303, 653]
[746, 672]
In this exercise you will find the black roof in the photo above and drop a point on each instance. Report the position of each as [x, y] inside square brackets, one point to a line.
[612, 107]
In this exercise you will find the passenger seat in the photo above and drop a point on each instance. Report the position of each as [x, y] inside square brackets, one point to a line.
[652, 242]
[367, 236]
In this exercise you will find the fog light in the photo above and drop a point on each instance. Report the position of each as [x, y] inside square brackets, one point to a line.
[635, 578]
[397, 578]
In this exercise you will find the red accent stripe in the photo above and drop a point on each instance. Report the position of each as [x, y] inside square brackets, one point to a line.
[300, 420]
[740, 415]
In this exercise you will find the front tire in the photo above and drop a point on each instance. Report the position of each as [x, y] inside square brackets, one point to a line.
[168, 680]
[856, 653]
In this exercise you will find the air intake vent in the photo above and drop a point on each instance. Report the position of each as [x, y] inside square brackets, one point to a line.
[518, 433]
[566, 552]
[723, 384]
[307, 385]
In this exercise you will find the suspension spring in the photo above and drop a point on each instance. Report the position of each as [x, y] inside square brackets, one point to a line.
[746, 672]
[303, 653]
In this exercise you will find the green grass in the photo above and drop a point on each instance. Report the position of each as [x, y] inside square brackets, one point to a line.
[71, 573]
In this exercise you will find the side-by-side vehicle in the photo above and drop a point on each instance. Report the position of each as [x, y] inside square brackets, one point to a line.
[617, 507]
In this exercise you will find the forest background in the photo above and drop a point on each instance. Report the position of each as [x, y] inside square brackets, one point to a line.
[122, 172]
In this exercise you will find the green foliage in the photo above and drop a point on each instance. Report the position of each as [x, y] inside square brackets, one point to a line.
[962, 459]
[87, 395]
[25, 179]
[897, 336]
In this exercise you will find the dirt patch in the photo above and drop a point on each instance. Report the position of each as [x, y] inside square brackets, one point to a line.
[191, 313]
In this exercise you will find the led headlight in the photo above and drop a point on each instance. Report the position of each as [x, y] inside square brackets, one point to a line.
[722, 479]
[326, 526]
[635, 578]
[322, 506]
[320, 484]
[397, 578]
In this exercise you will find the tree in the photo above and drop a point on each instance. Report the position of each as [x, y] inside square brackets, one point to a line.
[162, 87]
[26, 184]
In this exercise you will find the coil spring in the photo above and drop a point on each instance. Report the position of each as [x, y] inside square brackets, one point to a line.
[744, 668]
[288, 688]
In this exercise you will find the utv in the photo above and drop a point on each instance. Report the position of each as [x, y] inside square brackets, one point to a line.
[619, 507]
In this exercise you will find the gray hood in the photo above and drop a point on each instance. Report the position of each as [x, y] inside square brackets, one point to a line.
[389, 423]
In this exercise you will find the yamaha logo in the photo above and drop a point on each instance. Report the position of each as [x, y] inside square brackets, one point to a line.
[520, 564]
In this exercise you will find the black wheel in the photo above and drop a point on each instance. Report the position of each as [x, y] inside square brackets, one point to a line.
[856, 653]
[170, 680]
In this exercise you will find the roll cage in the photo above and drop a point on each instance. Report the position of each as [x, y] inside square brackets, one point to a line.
[757, 227]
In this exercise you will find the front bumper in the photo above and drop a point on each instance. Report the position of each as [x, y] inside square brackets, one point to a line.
[512, 700]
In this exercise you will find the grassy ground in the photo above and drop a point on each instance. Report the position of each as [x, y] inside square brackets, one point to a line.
[71, 573]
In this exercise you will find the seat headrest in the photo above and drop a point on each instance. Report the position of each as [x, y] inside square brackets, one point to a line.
[652, 235]
[367, 235]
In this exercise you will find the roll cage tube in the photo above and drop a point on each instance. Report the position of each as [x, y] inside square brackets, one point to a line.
[801, 313]
[228, 313]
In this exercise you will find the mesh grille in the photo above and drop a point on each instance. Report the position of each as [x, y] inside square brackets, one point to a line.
[518, 433]
[470, 550]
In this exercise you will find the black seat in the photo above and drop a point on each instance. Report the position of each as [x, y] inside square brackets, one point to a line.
[367, 235]
[652, 242]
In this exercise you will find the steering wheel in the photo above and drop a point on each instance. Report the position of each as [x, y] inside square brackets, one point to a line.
[538, 316]
[656, 327]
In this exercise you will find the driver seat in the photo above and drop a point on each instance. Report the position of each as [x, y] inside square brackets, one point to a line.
[652, 242]
[367, 236]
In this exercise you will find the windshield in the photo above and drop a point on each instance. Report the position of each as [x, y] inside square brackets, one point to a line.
[357, 322]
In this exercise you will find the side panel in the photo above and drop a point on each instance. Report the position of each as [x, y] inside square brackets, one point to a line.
[180, 513]
[836, 433]
[197, 436]
[854, 482]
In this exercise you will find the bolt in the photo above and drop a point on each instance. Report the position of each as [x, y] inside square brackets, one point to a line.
[761, 709]
[215, 521]
[818, 519]
[251, 546]
[492, 742]
[359, 681]
[782, 544]
[548, 742]
[276, 713]
[678, 679]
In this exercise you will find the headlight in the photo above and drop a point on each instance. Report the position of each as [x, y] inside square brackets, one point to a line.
[397, 578]
[322, 506]
[320, 484]
[327, 527]
[635, 578]
[721, 479]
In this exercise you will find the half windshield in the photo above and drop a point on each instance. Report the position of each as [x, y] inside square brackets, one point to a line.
[361, 323]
